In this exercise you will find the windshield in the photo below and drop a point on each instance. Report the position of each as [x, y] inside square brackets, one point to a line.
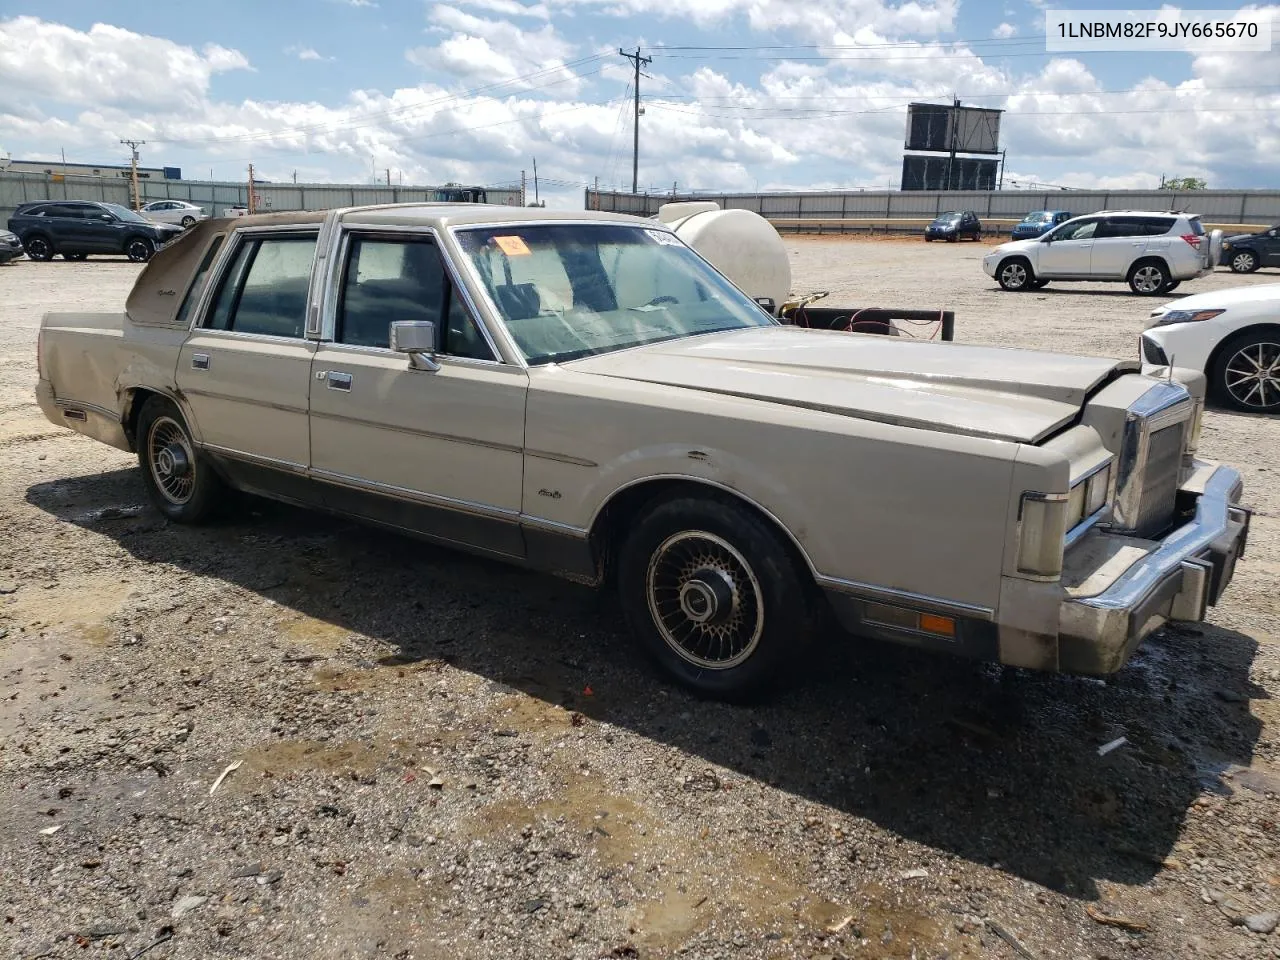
[946, 217]
[124, 213]
[573, 290]
[1040, 216]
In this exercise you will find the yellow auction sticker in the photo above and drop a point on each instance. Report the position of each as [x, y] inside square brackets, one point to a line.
[512, 246]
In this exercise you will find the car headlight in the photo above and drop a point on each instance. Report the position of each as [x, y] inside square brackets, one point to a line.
[1186, 316]
[1042, 529]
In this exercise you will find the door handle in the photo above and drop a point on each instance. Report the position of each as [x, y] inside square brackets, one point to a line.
[199, 361]
[338, 381]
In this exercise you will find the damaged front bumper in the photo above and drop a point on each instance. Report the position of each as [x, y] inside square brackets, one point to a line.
[1119, 589]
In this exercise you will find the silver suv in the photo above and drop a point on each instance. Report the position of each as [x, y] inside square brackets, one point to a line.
[1152, 252]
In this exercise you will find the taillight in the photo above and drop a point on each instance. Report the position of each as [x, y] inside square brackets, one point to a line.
[1192, 239]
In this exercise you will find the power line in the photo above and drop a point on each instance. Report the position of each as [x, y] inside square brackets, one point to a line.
[916, 97]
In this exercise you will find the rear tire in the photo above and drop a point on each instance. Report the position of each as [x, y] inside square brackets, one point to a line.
[188, 221]
[1147, 278]
[139, 249]
[38, 248]
[1244, 261]
[716, 595]
[180, 481]
[1015, 275]
[1246, 373]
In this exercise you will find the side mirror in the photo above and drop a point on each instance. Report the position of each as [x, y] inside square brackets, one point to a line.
[106, 218]
[1047, 238]
[420, 339]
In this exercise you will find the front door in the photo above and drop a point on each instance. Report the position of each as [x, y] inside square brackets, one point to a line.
[1119, 242]
[1269, 248]
[1069, 252]
[438, 452]
[246, 368]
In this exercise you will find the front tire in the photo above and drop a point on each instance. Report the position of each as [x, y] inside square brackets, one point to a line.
[187, 221]
[1246, 374]
[179, 480]
[1015, 275]
[38, 248]
[716, 595]
[1244, 261]
[1148, 277]
[139, 249]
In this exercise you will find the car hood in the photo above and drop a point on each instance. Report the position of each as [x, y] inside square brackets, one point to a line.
[1015, 246]
[954, 388]
[1263, 293]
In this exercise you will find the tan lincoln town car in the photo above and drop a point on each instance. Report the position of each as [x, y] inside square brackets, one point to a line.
[584, 394]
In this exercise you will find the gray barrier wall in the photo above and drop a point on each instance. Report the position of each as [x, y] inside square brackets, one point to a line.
[1260, 207]
[16, 188]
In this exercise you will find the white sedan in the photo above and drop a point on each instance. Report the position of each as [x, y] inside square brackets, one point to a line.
[1232, 335]
[173, 211]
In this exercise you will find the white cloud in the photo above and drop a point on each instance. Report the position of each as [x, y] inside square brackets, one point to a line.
[106, 64]
[305, 53]
[357, 3]
[1004, 31]
[510, 8]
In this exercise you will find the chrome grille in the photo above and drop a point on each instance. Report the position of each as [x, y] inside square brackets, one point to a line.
[1159, 482]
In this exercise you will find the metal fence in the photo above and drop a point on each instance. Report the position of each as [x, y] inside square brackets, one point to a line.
[16, 188]
[874, 209]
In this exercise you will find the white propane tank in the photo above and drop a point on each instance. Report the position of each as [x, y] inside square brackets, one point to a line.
[742, 245]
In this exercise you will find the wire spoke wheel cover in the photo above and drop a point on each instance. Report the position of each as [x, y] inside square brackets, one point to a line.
[705, 600]
[171, 460]
[1252, 375]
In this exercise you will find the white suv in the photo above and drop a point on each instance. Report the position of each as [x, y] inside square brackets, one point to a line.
[1152, 252]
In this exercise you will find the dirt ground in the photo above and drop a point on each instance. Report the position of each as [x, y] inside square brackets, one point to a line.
[442, 757]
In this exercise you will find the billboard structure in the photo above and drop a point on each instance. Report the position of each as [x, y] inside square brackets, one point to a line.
[947, 173]
[942, 132]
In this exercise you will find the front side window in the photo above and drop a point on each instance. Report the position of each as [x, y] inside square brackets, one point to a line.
[264, 289]
[389, 280]
[1084, 230]
[566, 291]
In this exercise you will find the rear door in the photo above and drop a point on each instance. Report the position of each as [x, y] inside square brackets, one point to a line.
[1119, 241]
[246, 368]
[1068, 253]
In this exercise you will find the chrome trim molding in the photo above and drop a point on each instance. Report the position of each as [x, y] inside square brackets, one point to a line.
[416, 496]
[560, 458]
[414, 432]
[91, 407]
[214, 395]
[1163, 405]
[288, 465]
[1077, 532]
[554, 526]
[1212, 520]
[872, 592]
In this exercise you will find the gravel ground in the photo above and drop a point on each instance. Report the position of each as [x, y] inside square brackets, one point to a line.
[442, 757]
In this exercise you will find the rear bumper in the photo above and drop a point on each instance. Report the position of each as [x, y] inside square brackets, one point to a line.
[1111, 607]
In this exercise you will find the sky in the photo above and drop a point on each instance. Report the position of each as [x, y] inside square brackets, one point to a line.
[740, 94]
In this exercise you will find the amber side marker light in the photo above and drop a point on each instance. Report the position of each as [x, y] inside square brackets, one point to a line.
[900, 618]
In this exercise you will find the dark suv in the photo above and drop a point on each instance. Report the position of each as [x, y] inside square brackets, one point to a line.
[77, 228]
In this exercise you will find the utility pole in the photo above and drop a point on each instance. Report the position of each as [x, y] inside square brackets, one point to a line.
[1000, 185]
[133, 167]
[252, 205]
[535, 182]
[637, 60]
[388, 176]
[523, 195]
[951, 158]
[596, 205]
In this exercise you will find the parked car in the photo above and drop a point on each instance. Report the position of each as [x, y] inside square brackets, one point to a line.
[1232, 335]
[10, 246]
[581, 393]
[173, 211]
[1246, 252]
[1152, 252]
[954, 225]
[1037, 222]
[236, 211]
[78, 228]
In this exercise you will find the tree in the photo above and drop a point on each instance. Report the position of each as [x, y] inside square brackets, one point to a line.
[1184, 183]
